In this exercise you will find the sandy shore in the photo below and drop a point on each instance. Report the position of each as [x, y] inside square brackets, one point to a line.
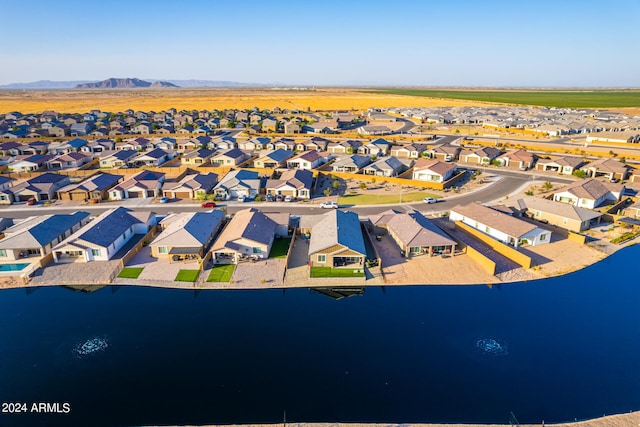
[621, 420]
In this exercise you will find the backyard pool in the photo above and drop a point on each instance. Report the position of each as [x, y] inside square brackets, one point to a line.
[13, 267]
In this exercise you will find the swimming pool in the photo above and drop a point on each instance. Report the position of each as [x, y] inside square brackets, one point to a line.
[13, 267]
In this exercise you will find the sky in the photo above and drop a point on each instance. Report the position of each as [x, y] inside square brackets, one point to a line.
[491, 43]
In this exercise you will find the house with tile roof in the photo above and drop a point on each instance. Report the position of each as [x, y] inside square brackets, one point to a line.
[95, 187]
[230, 157]
[155, 157]
[249, 235]
[37, 235]
[518, 159]
[335, 239]
[413, 233]
[607, 168]
[238, 183]
[387, 166]
[103, 237]
[296, 183]
[479, 156]
[117, 159]
[308, 160]
[499, 225]
[186, 236]
[562, 165]
[589, 193]
[68, 161]
[41, 187]
[563, 215]
[433, 170]
[408, 151]
[351, 164]
[274, 159]
[191, 186]
[144, 184]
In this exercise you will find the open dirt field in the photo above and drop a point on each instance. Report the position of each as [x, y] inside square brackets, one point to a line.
[79, 101]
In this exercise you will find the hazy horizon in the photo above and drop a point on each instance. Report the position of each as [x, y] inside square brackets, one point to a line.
[461, 43]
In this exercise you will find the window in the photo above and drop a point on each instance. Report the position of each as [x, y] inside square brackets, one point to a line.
[537, 214]
[95, 252]
[3, 252]
[487, 229]
[162, 249]
[414, 249]
[257, 250]
[322, 258]
[543, 237]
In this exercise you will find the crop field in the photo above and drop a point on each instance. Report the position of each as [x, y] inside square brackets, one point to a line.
[81, 101]
[550, 98]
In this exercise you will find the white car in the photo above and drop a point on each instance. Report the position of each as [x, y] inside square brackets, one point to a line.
[329, 205]
[288, 199]
[430, 200]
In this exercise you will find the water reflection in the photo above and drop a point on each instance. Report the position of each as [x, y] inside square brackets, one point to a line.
[339, 293]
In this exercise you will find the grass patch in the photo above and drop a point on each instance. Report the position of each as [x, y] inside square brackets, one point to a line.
[335, 272]
[381, 199]
[130, 272]
[187, 276]
[221, 273]
[279, 248]
[550, 98]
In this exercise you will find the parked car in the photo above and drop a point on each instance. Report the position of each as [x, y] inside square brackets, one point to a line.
[164, 199]
[288, 199]
[430, 200]
[241, 198]
[269, 198]
[329, 205]
[31, 201]
[209, 205]
[278, 198]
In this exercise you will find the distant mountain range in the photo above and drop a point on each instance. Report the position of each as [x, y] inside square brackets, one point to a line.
[49, 84]
[114, 83]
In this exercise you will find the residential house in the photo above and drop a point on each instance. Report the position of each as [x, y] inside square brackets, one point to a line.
[408, 151]
[480, 156]
[351, 164]
[307, 160]
[191, 186]
[12, 149]
[238, 183]
[566, 165]
[37, 235]
[388, 166]
[344, 147]
[249, 235]
[432, 170]
[444, 152]
[611, 169]
[413, 233]
[188, 144]
[316, 143]
[296, 183]
[142, 185]
[118, 159]
[41, 187]
[273, 159]
[589, 193]
[68, 161]
[283, 144]
[378, 147]
[95, 187]
[155, 157]
[187, 236]
[197, 157]
[254, 144]
[335, 239]
[80, 129]
[269, 125]
[562, 215]
[30, 163]
[231, 157]
[165, 143]
[499, 225]
[292, 127]
[518, 159]
[103, 237]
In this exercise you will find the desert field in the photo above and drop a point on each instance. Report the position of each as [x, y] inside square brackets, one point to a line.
[80, 101]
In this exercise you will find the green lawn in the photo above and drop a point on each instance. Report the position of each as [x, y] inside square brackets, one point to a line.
[130, 272]
[335, 272]
[373, 199]
[187, 276]
[221, 273]
[279, 248]
[550, 98]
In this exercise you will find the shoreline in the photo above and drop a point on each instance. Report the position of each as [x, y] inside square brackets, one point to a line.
[631, 419]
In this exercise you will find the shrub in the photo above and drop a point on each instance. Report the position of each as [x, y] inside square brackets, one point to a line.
[363, 185]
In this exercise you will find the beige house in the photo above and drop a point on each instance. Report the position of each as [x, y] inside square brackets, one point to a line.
[186, 236]
[518, 159]
[607, 168]
[563, 215]
[413, 233]
[274, 159]
[562, 165]
[196, 157]
[432, 170]
[296, 183]
[590, 193]
[335, 239]
[231, 157]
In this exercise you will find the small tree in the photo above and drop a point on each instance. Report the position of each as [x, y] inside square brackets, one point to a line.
[363, 185]
[548, 185]
[327, 191]
[580, 173]
[373, 180]
[350, 150]
[623, 159]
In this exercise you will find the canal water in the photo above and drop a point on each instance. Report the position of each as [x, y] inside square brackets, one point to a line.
[556, 350]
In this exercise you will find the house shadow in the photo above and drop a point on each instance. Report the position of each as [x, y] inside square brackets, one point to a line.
[536, 259]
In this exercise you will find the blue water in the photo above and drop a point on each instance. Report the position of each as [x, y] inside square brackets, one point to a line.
[13, 267]
[556, 349]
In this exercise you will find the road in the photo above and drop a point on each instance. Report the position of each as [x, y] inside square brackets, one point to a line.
[508, 182]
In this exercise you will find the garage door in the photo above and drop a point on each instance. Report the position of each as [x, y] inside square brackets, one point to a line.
[182, 195]
[23, 197]
[78, 196]
[134, 195]
[44, 197]
[288, 193]
[151, 193]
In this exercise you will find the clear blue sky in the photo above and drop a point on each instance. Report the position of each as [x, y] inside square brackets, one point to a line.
[555, 43]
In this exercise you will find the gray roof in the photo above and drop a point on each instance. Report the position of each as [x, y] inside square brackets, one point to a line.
[124, 154]
[39, 231]
[240, 177]
[591, 189]
[249, 224]
[387, 163]
[413, 229]
[98, 182]
[279, 155]
[189, 229]
[558, 208]
[105, 229]
[296, 178]
[337, 228]
[198, 181]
